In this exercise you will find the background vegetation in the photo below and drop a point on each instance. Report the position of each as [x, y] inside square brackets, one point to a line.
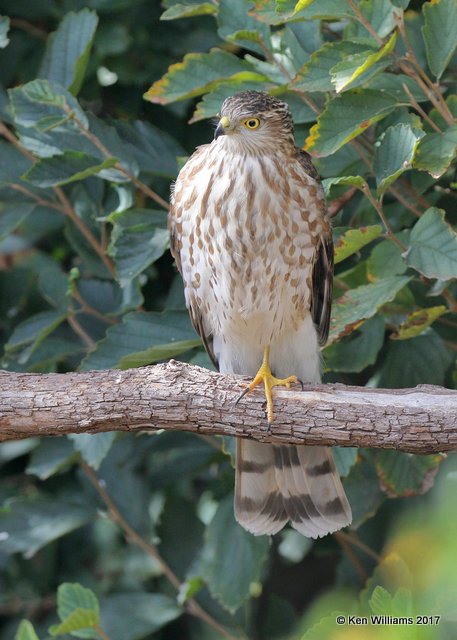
[145, 523]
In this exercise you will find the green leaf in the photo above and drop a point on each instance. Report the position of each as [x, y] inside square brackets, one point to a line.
[143, 338]
[440, 27]
[188, 10]
[315, 75]
[154, 150]
[234, 558]
[210, 104]
[51, 456]
[45, 105]
[353, 240]
[68, 49]
[68, 167]
[421, 360]
[79, 619]
[436, 151]
[29, 334]
[30, 524]
[93, 447]
[339, 181]
[26, 631]
[433, 246]
[357, 351]
[139, 238]
[345, 458]
[152, 611]
[361, 303]
[4, 28]
[236, 25]
[363, 492]
[12, 214]
[345, 117]
[387, 259]
[353, 66]
[197, 74]
[379, 13]
[418, 321]
[395, 154]
[405, 474]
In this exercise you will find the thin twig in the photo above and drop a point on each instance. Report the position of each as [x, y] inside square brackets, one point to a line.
[419, 109]
[77, 328]
[101, 633]
[132, 536]
[358, 566]
[27, 26]
[378, 206]
[364, 22]
[353, 539]
[106, 152]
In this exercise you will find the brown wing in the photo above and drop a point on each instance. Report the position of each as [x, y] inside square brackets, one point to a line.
[322, 277]
[195, 314]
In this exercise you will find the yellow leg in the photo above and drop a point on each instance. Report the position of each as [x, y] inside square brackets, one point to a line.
[269, 381]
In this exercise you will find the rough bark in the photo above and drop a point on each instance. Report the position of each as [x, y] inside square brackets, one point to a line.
[179, 396]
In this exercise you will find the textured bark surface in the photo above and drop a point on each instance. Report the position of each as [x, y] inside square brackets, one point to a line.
[179, 396]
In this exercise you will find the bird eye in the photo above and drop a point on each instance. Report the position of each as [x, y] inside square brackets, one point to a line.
[251, 123]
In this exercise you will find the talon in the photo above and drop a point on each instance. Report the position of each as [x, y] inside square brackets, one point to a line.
[269, 381]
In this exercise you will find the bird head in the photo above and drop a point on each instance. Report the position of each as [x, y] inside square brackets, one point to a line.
[255, 121]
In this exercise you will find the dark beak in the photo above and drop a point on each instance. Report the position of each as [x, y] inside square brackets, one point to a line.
[220, 131]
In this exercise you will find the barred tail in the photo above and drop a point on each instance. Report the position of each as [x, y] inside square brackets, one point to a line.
[277, 483]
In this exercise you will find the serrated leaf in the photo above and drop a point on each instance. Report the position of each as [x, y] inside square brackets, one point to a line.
[234, 558]
[346, 117]
[339, 181]
[152, 611]
[359, 350]
[440, 27]
[12, 214]
[93, 447]
[345, 458]
[363, 492]
[197, 74]
[30, 524]
[361, 303]
[29, 334]
[68, 49]
[51, 456]
[188, 10]
[143, 338]
[139, 238]
[44, 105]
[236, 25]
[436, 151]
[4, 28]
[417, 322]
[395, 154]
[387, 259]
[68, 167]
[421, 360]
[77, 620]
[26, 631]
[211, 102]
[353, 240]
[353, 66]
[433, 246]
[314, 75]
[406, 474]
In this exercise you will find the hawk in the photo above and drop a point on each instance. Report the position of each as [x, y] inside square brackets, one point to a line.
[253, 244]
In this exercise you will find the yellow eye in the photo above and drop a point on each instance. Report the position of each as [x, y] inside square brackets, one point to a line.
[251, 123]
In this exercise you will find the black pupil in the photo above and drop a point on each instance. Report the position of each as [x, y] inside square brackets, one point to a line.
[252, 123]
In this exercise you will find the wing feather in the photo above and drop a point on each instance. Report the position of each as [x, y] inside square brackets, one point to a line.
[322, 276]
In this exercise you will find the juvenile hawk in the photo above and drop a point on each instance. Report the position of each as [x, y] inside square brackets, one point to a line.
[251, 239]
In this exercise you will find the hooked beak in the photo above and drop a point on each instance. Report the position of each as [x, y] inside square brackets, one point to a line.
[224, 123]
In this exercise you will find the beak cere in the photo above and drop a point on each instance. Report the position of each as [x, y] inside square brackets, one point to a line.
[221, 127]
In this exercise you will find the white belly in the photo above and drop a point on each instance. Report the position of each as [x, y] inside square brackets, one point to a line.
[247, 245]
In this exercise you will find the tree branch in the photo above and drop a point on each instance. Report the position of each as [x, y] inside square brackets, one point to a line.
[179, 396]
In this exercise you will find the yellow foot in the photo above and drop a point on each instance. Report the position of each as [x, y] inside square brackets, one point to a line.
[269, 381]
